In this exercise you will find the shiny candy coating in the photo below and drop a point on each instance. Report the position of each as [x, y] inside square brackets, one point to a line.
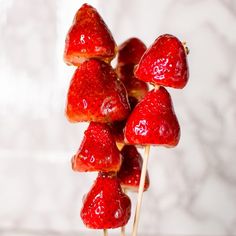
[131, 51]
[95, 94]
[106, 206]
[88, 37]
[98, 150]
[164, 63]
[153, 121]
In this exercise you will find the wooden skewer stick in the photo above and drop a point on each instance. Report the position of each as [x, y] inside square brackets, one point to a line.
[122, 231]
[105, 232]
[140, 191]
[123, 227]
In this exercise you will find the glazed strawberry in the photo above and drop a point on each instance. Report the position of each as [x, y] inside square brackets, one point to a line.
[98, 151]
[106, 206]
[117, 130]
[131, 51]
[129, 54]
[117, 127]
[130, 172]
[135, 88]
[95, 94]
[88, 37]
[153, 121]
[164, 63]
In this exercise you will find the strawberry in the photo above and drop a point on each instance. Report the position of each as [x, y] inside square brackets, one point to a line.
[98, 150]
[164, 63]
[153, 121]
[117, 127]
[95, 94]
[117, 130]
[88, 37]
[106, 206]
[131, 51]
[129, 54]
[131, 168]
[135, 88]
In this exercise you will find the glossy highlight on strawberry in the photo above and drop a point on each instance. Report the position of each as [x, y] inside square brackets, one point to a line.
[153, 121]
[88, 37]
[95, 94]
[106, 206]
[98, 151]
[164, 63]
[131, 168]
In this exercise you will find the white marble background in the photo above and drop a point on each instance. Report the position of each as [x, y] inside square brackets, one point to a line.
[193, 187]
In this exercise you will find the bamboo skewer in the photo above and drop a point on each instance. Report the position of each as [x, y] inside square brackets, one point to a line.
[105, 232]
[140, 191]
[122, 231]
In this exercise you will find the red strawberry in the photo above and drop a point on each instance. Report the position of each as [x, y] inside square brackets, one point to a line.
[95, 94]
[153, 121]
[117, 127]
[131, 51]
[129, 54]
[98, 150]
[88, 37]
[135, 88]
[164, 63]
[117, 130]
[131, 168]
[106, 206]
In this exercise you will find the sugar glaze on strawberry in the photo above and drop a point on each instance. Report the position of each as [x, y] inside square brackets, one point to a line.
[164, 63]
[98, 150]
[95, 94]
[153, 121]
[88, 37]
[106, 206]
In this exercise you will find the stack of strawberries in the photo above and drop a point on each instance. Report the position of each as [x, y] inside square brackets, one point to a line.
[121, 110]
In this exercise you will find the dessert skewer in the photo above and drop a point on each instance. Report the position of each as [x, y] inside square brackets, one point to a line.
[153, 121]
[129, 54]
[130, 171]
[96, 95]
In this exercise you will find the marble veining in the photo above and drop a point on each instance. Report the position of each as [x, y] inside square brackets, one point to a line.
[193, 187]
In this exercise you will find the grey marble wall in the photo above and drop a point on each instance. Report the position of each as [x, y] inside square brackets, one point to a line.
[193, 187]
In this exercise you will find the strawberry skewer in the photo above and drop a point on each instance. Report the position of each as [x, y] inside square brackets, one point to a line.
[129, 54]
[153, 121]
[96, 95]
[130, 171]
